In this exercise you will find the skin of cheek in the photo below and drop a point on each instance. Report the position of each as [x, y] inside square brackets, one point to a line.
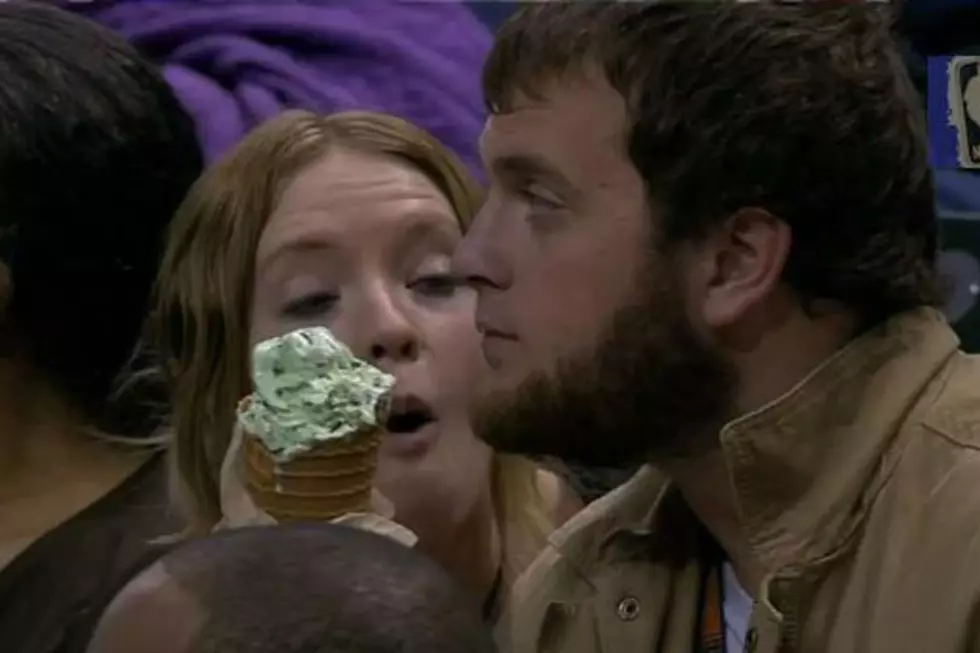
[445, 487]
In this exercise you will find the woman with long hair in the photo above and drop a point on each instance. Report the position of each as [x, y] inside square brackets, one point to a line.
[347, 221]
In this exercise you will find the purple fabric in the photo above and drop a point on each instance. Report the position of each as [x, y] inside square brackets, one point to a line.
[236, 63]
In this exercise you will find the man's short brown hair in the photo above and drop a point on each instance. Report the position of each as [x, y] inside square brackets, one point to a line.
[805, 111]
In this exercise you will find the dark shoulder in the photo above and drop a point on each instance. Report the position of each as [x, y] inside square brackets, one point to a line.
[54, 592]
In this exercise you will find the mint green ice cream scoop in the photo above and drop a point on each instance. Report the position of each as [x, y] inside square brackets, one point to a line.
[310, 388]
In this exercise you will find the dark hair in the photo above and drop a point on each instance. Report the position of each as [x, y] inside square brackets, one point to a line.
[321, 588]
[96, 155]
[804, 111]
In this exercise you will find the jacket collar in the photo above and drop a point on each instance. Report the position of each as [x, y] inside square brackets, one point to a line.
[806, 466]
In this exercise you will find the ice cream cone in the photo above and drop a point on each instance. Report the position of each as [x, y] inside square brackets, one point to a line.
[312, 427]
[333, 478]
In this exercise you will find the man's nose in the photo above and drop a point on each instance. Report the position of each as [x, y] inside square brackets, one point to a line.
[479, 257]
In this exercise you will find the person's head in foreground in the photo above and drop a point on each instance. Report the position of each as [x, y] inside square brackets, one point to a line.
[310, 588]
[346, 221]
[691, 206]
[96, 156]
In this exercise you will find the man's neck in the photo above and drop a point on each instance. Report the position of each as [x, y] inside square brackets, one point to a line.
[707, 487]
[38, 427]
[42, 437]
[782, 360]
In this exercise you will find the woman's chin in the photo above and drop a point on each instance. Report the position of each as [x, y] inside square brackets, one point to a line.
[410, 445]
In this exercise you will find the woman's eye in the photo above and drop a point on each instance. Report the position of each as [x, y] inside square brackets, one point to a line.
[308, 306]
[436, 285]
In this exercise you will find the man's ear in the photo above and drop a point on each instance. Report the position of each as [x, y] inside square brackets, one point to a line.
[6, 290]
[747, 255]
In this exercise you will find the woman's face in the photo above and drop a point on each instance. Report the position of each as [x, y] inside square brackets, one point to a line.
[361, 244]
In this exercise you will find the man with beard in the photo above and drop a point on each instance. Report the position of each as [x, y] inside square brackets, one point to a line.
[709, 244]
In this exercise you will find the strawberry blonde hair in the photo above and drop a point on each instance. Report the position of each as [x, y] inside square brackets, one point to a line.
[204, 297]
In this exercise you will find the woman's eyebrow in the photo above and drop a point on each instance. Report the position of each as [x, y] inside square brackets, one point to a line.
[301, 244]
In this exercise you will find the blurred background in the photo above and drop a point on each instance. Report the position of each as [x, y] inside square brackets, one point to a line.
[237, 62]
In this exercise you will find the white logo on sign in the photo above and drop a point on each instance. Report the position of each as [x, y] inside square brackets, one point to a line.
[964, 105]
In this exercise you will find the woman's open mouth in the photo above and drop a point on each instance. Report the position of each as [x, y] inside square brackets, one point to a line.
[409, 414]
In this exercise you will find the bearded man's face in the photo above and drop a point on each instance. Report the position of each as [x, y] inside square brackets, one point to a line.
[592, 358]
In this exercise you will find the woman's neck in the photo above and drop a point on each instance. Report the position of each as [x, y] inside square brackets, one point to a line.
[471, 549]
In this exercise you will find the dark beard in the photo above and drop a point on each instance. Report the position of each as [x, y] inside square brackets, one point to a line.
[650, 390]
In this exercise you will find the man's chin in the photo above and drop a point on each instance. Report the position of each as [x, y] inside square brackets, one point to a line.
[489, 419]
[528, 421]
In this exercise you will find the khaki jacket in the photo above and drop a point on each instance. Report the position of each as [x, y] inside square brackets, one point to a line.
[868, 472]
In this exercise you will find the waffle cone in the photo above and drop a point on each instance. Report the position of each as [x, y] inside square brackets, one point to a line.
[332, 479]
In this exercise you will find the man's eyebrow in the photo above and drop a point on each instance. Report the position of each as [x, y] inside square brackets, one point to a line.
[530, 167]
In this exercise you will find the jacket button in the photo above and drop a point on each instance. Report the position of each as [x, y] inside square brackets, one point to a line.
[628, 608]
[751, 640]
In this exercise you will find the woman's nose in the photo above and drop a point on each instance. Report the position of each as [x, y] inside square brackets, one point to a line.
[394, 345]
[383, 333]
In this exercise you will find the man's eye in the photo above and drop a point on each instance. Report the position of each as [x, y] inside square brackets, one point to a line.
[308, 306]
[436, 285]
[539, 202]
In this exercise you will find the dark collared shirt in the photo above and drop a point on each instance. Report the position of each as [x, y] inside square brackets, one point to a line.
[52, 594]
